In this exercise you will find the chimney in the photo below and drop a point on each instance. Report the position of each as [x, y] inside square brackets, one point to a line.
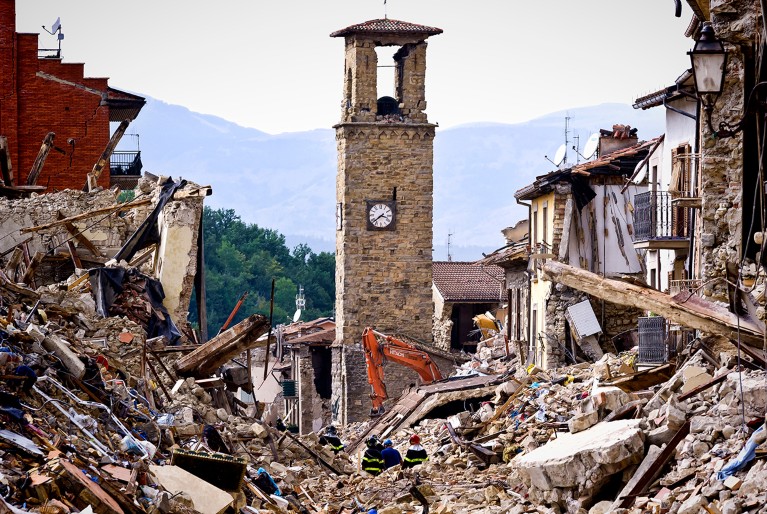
[620, 137]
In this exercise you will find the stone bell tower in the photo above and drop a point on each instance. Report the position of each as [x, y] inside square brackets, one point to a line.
[384, 194]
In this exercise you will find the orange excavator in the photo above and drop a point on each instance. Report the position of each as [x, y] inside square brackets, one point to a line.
[380, 348]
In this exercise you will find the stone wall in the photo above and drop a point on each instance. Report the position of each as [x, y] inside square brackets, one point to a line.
[720, 222]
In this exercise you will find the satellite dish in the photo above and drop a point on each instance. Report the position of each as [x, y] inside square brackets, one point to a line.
[559, 157]
[640, 172]
[591, 146]
[297, 315]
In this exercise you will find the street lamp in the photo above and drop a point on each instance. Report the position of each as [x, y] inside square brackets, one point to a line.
[709, 63]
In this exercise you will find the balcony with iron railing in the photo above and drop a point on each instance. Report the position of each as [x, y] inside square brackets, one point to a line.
[125, 169]
[659, 222]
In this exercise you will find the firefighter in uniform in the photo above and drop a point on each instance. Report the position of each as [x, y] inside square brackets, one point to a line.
[416, 454]
[372, 461]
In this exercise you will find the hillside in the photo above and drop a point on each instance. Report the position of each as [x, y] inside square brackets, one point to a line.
[286, 182]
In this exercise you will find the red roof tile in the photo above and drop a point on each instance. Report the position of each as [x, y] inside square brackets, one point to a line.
[387, 26]
[468, 281]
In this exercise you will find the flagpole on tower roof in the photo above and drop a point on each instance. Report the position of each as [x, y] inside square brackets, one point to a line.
[385, 16]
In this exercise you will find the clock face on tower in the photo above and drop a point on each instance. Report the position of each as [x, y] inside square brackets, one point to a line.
[380, 214]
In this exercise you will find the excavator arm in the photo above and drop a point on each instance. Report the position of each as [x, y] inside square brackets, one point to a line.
[378, 349]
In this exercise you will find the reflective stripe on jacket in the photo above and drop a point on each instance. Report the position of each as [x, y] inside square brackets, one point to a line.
[415, 455]
[372, 462]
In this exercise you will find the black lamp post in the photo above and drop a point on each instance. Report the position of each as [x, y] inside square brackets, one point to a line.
[709, 64]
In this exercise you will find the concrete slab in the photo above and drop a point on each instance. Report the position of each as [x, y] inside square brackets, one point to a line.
[577, 465]
[207, 498]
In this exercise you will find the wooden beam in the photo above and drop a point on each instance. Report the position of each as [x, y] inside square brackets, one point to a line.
[103, 162]
[6, 170]
[684, 309]
[73, 255]
[78, 235]
[652, 468]
[29, 274]
[37, 167]
[222, 348]
[181, 195]
[90, 214]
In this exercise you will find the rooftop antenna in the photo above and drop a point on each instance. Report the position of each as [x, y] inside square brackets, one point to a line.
[561, 156]
[300, 304]
[577, 145]
[449, 256]
[55, 29]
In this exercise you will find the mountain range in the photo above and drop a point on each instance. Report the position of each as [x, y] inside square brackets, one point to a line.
[286, 181]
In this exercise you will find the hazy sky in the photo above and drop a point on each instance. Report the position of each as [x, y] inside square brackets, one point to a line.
[270, 65]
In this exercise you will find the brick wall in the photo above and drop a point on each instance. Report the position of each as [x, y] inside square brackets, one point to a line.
[38, 96]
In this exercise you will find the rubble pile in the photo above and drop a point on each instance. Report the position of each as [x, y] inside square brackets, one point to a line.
[107, 406]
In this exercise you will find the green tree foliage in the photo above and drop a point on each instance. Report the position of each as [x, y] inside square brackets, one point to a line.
[242, 257]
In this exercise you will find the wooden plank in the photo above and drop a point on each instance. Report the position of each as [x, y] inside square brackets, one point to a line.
[686, 310]
[654, 467]
[78, 235]
[37, 166]
[210, 356]
[103, 162]
[90, 214]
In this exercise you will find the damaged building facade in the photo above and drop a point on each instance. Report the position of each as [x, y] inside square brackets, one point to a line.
[580, 215]
[91, 228]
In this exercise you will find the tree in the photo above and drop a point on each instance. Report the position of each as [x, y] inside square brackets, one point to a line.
[242, 257]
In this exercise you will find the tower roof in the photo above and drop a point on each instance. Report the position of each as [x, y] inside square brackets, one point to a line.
[386, 26]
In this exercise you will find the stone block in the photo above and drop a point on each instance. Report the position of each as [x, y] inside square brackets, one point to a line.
[579, 464]
[581, 422]
[206, 497]
[693, 376]
[693, 505]
[259, 430]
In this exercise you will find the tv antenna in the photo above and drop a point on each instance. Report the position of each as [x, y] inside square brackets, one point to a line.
[55, 29]
[300, 304]
[561, 156]
[577, 145]
[449, 256]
